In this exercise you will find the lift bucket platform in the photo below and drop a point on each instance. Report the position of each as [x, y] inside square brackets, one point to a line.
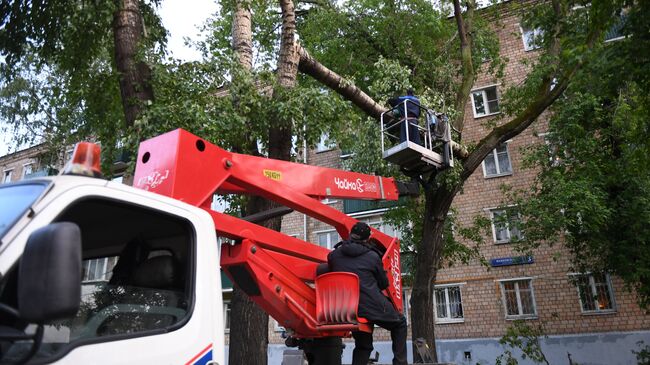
[413, 157]
[416, 148]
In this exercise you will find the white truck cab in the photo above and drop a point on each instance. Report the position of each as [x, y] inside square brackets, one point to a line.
[150, 285]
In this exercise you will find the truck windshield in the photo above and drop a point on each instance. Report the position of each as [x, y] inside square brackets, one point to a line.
[14, 201]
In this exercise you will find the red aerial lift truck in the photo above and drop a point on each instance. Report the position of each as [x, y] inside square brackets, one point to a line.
[145, 259]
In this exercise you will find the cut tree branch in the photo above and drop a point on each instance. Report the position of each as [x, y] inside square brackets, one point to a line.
[343, 87]
[310, 66]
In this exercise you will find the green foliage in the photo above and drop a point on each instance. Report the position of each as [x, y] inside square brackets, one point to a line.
[593, 186]
[525, 338]
[59, 81]
[643, 355]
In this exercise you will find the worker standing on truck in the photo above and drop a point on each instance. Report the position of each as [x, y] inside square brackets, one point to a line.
[358, 256]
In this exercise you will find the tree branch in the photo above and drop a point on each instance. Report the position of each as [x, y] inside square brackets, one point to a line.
[468, 72]
[310, 66]
[543, 99]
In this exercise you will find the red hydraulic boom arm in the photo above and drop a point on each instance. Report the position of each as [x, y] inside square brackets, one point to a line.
[274, 269]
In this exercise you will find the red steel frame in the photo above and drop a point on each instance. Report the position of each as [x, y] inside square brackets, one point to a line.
[183, 166]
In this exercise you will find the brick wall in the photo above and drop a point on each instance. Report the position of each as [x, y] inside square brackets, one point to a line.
[556, 298]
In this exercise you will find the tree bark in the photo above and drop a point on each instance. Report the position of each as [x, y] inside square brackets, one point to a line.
[349, 91]
[249, 332]
[135, 76]
[249, 324]
[464, 25]
[242, 34]
[281, 132]
[249, 328]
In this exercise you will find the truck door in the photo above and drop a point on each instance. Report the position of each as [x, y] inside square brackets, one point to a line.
[139, 301]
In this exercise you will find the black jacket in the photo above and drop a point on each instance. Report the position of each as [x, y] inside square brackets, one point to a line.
[361, 259]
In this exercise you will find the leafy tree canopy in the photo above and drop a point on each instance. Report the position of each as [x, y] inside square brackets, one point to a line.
[593, 188]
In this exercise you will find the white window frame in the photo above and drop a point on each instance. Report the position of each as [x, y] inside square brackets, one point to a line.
[552, 150]
[594, 292]
[6, 178]
[485, 100]
[226, 314]
[518, 294]
[536, 33]
[494, 230]
[106, 272]
[330, 244]
[277, 327]
[328, 201]
[322, 145]
[446, 287]
[67, 156]
[622, 18]
[377, 222]
[496, 163]
[29, 165]
[406, 298]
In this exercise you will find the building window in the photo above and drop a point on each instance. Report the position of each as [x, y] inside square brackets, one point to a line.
[485, 101]
[406, 296]
[448, 304]
[595, 292]
[6, 177]
[615, 32]
[497, 162]
[553, 150]
[100, 269]
[532, 38]
[324, 143]
[505, 226]
[67, 156]
[519, 298]
[226, 316]
[328, 201]
[277, 327]
[28, 169]
[328, 239]
[378, 223]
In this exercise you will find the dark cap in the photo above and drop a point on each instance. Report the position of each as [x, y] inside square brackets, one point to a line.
[360, 231]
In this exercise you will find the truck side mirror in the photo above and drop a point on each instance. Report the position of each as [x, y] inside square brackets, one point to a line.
[49, 277]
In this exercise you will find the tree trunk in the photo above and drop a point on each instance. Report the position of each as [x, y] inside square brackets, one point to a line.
[249, 337]
[249, 329]
[280, 133]
[437, 204]
[242, 34]
[135, 76]
[249, 323]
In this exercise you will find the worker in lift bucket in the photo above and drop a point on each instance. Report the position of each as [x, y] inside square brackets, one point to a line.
[407, 111]
[360, 257]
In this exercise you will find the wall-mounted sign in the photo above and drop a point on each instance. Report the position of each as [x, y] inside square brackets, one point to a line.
[507, 261]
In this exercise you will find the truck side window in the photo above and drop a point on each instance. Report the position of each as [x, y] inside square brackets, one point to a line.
[136, 277]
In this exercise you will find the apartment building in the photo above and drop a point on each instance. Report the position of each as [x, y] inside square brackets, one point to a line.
[27, 163]
[588, 318]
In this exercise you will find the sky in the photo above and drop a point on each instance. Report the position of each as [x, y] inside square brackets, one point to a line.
[182, 18]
